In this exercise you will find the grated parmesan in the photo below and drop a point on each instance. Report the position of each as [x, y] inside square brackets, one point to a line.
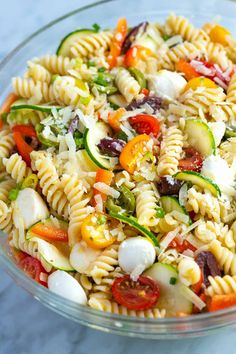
[104, 188]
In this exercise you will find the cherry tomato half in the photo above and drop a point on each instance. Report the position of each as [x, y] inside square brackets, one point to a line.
[135, 54]
[181, 247]
[192, 161]
[32, 267]
[145, 124]
[135, 295]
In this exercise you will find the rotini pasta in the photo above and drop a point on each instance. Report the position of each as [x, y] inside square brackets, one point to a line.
[16, 167]
[221, 285]
[127, 85]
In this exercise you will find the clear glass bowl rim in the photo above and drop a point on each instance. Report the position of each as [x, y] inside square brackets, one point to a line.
[195, 325]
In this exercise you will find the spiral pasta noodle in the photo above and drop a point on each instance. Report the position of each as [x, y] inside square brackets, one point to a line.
[112, 307]
[217, 54]
[146, 204]
[38, 73]
[204, 204]
[104, 264]
[6, 222]
[221, 285]
[180, 51]
[181, 26]
[78, 202]
[50, 184]
[91, 43]
[127, 85]
[56, 64]
[227, 150]
[231, 91]
[223, 112]
[16, 167]
[106, 282]
[209, 231]
[171, 150]
[6, 144]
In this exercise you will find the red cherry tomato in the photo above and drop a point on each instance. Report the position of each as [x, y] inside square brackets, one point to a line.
[135, 295]
[145, 124]
[181, 247]
[192, 161]
[20, 132]
[32, 267]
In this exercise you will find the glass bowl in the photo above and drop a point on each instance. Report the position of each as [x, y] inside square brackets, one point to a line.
[46, 40]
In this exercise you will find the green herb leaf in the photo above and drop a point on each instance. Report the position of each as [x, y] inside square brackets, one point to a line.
[102, 69]
[160, 213]
[101, 219]
[166, 37]
[96, 27]
[173, 281]
[91, 63]
[13, 193]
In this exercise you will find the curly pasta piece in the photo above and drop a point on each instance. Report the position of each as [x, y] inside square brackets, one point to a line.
[124, 178]
[198, 101]
[231, 91]
[223, 112]
[91, 44]
[167, 223]
[225, 258]
[84, 281]
[170, 256]
[56, 64]
[107, 305]
[127, 85]
[37, 91]
[6, 144]
[217, 54]
[106, 282]
[189, 271]
[209, 231]
[181, 26]
[221, 285]
[104, 264]
[6, 222]
[79, 207]
[38, 73]
[146, 204]
[171, 150]
[29, 247]
[180, 51]
[50, 183]
[16, 167]
[204, 204]
[227, 150]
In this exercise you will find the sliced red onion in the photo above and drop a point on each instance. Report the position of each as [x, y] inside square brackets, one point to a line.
[73, 125]
[154, 102]
[111, 147]
[130, 38]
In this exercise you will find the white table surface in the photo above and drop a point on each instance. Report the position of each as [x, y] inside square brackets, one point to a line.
[26, 326]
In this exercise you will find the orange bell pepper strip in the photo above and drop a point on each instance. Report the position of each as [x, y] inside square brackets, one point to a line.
[220, 302]
[103, 176]
[117, 42]
[184, 67]
[145, 92]
[135, 54]
[114, 119]
[19, 133]
[6, 106]
[49, 233]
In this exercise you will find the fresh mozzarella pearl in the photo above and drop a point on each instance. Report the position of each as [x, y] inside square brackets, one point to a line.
[136, 253]
[167, 84]
[218, 130]
[65, 285]
[219, 171]
[82, 256]
[29, 207]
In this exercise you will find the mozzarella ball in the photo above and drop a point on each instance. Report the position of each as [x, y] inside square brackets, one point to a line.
[189, 271]
[82, 256]
[136, 252]
[29, 207]
[167, 84]
[65, 285]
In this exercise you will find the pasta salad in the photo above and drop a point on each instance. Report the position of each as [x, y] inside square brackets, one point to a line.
[117, 168]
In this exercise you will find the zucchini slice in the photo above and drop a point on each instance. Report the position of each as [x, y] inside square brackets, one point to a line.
[171, 297]
[52, 255]
[92, 138]
[23, 104]
[133, 222]
[68, 41]
[170, 204]
[200, 180]
[200, 137]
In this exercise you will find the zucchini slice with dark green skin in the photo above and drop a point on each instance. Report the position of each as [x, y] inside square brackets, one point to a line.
[68, 41]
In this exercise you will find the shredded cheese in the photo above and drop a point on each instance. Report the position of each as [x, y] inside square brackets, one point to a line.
[104, 188]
